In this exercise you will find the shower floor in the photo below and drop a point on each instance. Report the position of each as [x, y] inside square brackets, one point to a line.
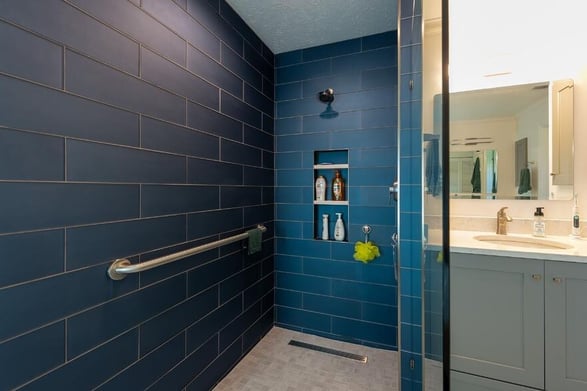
[273, 365]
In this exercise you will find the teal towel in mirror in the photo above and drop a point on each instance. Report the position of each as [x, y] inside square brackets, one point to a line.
[525, 184]
[255, 239]
[476, 177]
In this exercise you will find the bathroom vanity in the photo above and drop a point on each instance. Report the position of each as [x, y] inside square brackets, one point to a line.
[518, 314]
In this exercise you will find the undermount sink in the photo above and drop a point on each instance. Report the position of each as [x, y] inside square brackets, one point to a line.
[517, 241]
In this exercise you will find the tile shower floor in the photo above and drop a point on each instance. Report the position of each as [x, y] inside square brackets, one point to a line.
[273, 365]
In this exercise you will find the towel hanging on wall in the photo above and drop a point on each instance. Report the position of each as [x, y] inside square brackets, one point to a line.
[525, 184]
[476, 177]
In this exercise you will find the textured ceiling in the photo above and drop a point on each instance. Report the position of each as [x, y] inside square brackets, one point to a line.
[286, 25]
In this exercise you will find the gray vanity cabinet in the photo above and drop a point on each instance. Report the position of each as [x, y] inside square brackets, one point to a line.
[497, 318]
[566, 326]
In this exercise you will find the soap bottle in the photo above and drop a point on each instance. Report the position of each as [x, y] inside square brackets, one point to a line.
[539, 227]
[576, 230]
[320, 188]
[337, 187]
[325, 227]
[339, 228]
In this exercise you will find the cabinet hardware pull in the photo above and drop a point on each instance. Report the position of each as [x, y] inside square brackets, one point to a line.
[537, 277]
[557, 280]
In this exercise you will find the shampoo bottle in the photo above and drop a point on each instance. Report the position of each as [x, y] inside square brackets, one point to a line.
[320, 188]
[538, 227]
[337, 187]
[325, 227]
[576, 230]
[339, 228]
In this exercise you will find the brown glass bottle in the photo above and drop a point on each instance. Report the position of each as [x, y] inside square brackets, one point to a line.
[337, 187]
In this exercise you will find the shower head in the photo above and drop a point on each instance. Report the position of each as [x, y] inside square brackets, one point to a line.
[326, 96]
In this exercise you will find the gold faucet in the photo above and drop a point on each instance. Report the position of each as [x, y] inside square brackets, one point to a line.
[502, 220]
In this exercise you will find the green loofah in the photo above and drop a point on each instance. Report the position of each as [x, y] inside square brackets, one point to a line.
[366, 252]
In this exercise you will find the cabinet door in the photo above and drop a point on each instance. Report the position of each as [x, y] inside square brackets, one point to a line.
[566, 325]
[497, 318]
[465, 382]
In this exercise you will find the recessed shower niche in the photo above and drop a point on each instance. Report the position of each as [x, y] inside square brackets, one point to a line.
[326, 164]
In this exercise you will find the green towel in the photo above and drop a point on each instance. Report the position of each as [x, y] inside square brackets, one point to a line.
[476, 177]
[525, 184]
[255, 239]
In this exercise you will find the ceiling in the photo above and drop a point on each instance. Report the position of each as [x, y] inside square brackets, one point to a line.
[286, 25]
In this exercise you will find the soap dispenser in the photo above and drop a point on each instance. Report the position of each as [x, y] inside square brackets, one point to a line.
[539, 227]
[339, 228]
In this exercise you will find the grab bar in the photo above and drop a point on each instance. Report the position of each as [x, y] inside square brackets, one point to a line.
[121, 267]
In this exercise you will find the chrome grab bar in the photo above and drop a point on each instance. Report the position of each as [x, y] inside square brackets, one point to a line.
[121, 267]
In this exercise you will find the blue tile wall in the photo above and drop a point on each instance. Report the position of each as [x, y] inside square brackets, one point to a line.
[320, 288]
[132, 129]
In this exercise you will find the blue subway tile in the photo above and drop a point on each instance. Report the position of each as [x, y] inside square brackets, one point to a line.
[289, 195]
[356, 271]
[295, 177]
[237, 283]
[139, 25]
[28, 306]
[205, 67]
[288, 125]
[343, 83]
[379, 78]
[411, 253]
[288, 298]
[210, 172]
[258, 100]
[28, 106]
[203, 118]
[411, 115]
[168, 199]
[28, 206]
[90, 370]
[164, 326]
[410, 142]
[382, 294]
[411, 87]
[164, 136]
[288, 160]
[121, 314]
[233, 196]
[268, 124]
[257, 138]
[380, 313]
[257, 331]
[261, 289]
[30, 355]
[208, 378]
[411, 59]
[254, 215]
[42, 252]
[240, 67]
[212, 273]
[166, 74]
[85, 245]
[411, 29]
[411, 282]
[304, 319]
[321, 123]
[214, 222]
[373, 215]
[412, 198]
[286, 263]
[239, 153]
[374, 176]
[288, 91]
[240, 25]
[77, 30]
[95, 162]
[305, 106]
[41, 62]
[411, 170]
[269, 160]
[253, 176]
[302, 283]
[233, 330]
[184, 25]
[412, 371]
[379, 58]
[411, 226]
[288, 58]
[332, 50]
[29, 156]
[303, 247]
[293, 212]
[378, 118]
[376, 41]
[332, 306]
[411, 310]
[382, 334]
[367, 99]
[411, 7]
[303, 71]
[411, 338]
[240, 110]
[288, 229]
[302, 142]
[364, 196]
[89, 78]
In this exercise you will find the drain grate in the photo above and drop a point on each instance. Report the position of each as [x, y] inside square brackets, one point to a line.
[352, 356]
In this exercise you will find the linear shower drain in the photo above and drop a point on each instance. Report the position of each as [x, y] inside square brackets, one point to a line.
[323, 349]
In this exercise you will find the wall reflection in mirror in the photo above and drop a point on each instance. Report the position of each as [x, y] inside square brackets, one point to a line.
[513, 142]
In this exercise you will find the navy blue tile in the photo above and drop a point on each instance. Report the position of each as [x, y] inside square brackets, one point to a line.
[215, 222]
[367, 99]
[121, 314]
[231, 197]
[166, 199]
[268, 54]
[184, 25]
[94, 162]
[94, 80]
[90, 370]
[302, 283]
[306, 106]
[258, 100]
[143, 373]
[167, 137]
[76, 30]
[203, 118]
[366, 138]
[289, 91]
[29, 156]
[42, 61]
[258, 138]
[304, 319]
[240, 67]
[332, 306]
[257, 331]
[379, 118]
[212, 273]
[303, 71]
[269, 88]
[379, 78]
[42, 252]
[288, 125]
[239, 282]
[380, 40]
[237, 327]
[332, 50]
[288, 58]
[321, 123]
[258, 176]
[302, 142]
[212, 323]
[208, 16]
[241, 111]
[268, 195]
[343, 83]
[203, 66]
[166, 74]
[288, 298]
[268, 124]
[139, 25]
[373, 332]
[380, 58]
[161, 328]
[31, 305]
[261, 289]
[85, 245]
[240, 25]
[256, 59]
[29, 106]
[30, 355]
[239, 153]
[218, 368]
[28, 206]
[210, 172]
[180, 376]
[382, 294]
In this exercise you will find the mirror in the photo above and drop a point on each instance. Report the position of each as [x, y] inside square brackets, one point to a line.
[527, 128]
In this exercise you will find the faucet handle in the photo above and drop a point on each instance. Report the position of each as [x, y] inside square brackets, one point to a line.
[502, 210]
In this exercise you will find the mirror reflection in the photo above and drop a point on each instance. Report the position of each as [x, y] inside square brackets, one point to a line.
[527, 128]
